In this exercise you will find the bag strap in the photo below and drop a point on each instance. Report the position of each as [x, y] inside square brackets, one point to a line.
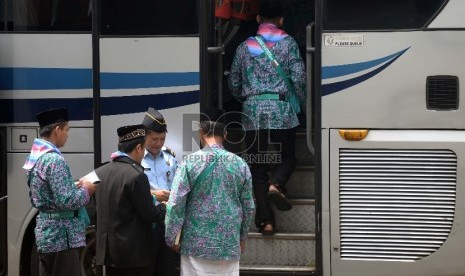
[207, 171]
[275, 63]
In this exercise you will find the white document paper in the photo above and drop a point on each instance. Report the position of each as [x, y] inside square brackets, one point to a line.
[92, 177]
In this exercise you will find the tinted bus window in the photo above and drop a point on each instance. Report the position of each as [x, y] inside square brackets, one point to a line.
[149, 17]
[378, 15]
[51, 15]
[2, 15]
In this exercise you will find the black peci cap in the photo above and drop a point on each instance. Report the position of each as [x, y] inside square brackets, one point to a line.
[271, 8]
[128, 133]
[52, 116]
[154, 121]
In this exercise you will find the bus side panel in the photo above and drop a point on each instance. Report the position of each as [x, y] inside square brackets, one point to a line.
[20, 211]
[142, 72]
[42, 71]
[78, 152]
[39, 71]
[384, 74]
[325, 221]
[397, 203]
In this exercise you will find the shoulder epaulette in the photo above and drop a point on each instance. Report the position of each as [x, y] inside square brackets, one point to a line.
[170, 151]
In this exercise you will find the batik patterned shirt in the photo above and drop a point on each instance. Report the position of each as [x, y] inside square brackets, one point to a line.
[52, 189]
[213, 209]
[252, 73]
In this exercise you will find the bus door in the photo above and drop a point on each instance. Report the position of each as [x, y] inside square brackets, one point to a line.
[148, 53]
[392, 138]
[293, 250]
[3, 198]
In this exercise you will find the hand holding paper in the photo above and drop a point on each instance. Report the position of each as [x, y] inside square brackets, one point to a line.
[89, 182]
[92, 177]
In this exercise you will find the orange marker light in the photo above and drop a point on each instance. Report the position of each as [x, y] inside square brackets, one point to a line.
[353, 134]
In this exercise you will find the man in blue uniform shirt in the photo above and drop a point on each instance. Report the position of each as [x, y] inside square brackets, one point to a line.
[160, 165]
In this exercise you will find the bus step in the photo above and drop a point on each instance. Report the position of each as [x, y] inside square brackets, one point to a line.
[280, 249]
[301, 183]
[300, 219]
[265, 270]
[283, 236]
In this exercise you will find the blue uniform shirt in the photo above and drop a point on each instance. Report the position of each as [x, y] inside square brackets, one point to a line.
[160, 169]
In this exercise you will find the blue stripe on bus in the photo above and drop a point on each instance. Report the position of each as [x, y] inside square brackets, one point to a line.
[24, 110]
[347, 69]
[68, 78]
[147, 80]
[338, 86]
[135, 104]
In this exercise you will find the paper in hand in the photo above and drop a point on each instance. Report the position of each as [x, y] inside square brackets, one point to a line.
[92, 177]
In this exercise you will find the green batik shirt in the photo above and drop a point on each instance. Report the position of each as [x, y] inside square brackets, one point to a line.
[250, 76]
[212, 205]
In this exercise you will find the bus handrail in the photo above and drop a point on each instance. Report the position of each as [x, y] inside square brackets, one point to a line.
[310, 50]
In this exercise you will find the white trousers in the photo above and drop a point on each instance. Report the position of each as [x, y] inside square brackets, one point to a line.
[191, 266]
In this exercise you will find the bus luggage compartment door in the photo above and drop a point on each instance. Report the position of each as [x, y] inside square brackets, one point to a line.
[78, 152]
[397, 203]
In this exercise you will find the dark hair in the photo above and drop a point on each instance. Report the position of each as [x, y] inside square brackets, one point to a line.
[148, 130]
[210, 128]
[46, 131]
[270, 9]
[130, 145]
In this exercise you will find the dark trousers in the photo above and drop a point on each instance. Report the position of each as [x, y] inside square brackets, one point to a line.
[60, 263]
[127, 271]
[260, 159]
[166, 262]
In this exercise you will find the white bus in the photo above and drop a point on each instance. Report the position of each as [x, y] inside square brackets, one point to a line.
[391, 201]
[379, 186]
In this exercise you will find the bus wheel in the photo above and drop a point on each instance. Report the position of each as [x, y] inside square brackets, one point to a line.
[87, 257]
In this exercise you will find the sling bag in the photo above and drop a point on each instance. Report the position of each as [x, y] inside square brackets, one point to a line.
[292, 97]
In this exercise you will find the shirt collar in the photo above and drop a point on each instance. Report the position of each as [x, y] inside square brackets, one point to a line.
[214, 146]
[39, 148]
[147, 153]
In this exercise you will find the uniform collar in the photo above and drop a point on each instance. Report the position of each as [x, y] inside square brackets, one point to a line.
[147, 153]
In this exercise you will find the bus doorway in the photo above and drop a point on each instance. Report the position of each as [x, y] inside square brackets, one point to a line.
[222, 35]
[291, 250]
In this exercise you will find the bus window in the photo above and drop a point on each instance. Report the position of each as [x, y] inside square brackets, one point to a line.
[378, 15]
[51, 15]
[149, 17]
[2, 15]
